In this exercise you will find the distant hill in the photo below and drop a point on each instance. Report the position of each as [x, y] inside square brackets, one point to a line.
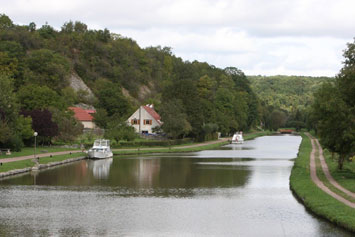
[286, 92]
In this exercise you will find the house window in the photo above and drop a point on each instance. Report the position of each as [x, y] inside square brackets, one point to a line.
[134, 121]
[148, 122]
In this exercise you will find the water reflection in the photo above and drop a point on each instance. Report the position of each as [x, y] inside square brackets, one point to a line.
[100, 168]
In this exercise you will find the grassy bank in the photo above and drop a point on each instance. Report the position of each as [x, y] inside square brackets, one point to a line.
[46, 160]
[27, 151]
[16, 165]
[345, 177]
[187, 148]
[314, 198]
[29, 163]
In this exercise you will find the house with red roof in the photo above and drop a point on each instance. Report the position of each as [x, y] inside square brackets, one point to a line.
[84, 116]
[145, 119]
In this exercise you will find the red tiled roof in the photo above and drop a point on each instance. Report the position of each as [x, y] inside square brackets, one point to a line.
[153, 113]
[81, 114]
[90, 111]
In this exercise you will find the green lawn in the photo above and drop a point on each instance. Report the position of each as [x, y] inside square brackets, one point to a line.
[29, 163]
[26, 151]
[345, 177]
[314, 198]
[16, 165]
[46, 160]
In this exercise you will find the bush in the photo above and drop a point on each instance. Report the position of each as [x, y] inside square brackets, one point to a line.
[15, 143]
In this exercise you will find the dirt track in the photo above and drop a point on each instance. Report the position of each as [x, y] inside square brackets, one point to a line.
[318, 182]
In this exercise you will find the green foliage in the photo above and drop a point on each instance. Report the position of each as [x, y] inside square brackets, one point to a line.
[286, 92]
[8, 100]
[119, 130]
[277, 119]
[5, 132]
[101, 118]
[333, 111]
[69, 128]
[41, 60]
[24, 127]
[5, 22]
[175, 120]
[46, 67]
[314, 198]
[39, 97]
[111, 99]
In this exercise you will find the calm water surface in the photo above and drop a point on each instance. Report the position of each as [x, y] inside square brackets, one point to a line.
[239, 190]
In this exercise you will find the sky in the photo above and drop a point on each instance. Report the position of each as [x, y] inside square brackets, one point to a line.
[260, 37]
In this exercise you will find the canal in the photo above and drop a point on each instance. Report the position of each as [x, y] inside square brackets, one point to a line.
[238, 190]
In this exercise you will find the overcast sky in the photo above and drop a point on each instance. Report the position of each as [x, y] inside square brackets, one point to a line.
[261, 37]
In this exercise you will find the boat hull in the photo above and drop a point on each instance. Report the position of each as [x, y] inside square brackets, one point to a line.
[100, 154]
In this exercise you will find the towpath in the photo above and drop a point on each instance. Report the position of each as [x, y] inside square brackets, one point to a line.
[316, 146]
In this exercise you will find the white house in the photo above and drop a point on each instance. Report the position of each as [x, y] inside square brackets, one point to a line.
[144, 119]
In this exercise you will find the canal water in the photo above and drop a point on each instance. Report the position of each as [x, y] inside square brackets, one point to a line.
[238, 190]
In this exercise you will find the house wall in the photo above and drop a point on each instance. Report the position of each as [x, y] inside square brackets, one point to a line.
[144, 115]
[88, 124]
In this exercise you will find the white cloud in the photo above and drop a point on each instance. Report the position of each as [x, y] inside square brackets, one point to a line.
[301, 37]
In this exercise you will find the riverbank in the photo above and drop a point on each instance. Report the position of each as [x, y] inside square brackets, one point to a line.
[189, 148]
[315, 199]
[24, 164]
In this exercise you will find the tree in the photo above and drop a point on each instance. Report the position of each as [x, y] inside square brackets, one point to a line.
[175, 120]
[43, 124]
[46, 67]
[5, 22]
[8, 101]
[118, 130]
[68, 127]
[277, 119]
[111, 98]
[39, 97]
[333, 110]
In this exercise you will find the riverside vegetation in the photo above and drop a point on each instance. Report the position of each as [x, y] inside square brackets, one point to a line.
[36, 65]
[314, 198]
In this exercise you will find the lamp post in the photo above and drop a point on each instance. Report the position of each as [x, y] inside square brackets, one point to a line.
[35, 134]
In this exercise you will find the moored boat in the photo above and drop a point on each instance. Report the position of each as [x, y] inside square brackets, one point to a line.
[237, 138]
[100, 150]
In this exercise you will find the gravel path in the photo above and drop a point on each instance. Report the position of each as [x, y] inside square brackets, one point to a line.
[315, 178]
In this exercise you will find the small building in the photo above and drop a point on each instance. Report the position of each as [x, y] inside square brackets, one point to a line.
[84, 116]
[145, 119]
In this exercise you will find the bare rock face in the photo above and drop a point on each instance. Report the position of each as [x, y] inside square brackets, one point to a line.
[79, 85]
[85, 106]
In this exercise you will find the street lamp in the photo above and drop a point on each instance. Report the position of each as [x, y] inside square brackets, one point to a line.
[35, 134]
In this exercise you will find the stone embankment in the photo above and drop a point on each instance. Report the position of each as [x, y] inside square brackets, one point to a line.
[40, 167]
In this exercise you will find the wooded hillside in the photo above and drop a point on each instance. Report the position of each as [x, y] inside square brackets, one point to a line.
[194, 99]
[288, 93]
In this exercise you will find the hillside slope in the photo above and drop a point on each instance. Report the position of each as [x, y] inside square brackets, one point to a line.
[287, 92]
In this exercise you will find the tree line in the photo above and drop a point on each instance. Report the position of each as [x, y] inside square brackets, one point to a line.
[195, 99]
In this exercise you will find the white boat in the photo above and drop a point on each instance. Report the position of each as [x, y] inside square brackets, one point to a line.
[237, 138]
[100, 150]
